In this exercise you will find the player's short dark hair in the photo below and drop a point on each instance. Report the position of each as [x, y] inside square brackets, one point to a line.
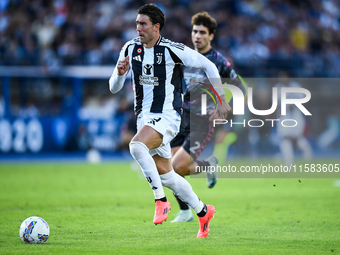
[203, 18]
[154, 13]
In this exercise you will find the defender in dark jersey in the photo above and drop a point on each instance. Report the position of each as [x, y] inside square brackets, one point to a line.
[187, 146]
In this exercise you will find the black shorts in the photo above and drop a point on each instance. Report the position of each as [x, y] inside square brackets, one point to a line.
[193, 140]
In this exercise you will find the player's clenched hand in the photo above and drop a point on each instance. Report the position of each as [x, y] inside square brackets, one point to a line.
[123, 65]
[221, 111]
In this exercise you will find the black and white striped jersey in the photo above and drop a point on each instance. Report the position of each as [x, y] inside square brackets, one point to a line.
[157, 75]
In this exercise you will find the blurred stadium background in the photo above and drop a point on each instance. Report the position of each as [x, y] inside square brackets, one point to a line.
[56, 58]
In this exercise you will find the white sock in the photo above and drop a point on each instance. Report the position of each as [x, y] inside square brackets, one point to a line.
[141, 154]
[182, 188]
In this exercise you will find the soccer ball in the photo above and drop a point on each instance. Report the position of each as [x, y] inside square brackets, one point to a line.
[34, 230]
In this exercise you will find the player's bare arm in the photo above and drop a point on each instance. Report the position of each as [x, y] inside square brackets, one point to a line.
[221, 110]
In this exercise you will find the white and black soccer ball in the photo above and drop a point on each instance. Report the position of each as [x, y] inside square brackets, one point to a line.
[34, 230]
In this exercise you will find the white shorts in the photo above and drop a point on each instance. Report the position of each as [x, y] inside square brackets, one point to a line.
[166, 123]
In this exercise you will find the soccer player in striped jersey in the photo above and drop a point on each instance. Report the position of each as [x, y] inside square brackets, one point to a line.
[156, 77]
[196, 130]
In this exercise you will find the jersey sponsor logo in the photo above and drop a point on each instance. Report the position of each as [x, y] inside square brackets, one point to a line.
[147, 69]
[148, 81]
[154, 120]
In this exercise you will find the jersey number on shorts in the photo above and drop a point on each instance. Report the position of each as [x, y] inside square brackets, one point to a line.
[194, 148]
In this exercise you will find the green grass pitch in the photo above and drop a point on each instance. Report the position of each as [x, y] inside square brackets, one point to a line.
[108, 209]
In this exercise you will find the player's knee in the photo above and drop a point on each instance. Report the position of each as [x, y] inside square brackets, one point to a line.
[180, 167]
[138, 149]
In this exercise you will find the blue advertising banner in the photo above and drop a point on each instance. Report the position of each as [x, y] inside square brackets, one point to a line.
[53, 134]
